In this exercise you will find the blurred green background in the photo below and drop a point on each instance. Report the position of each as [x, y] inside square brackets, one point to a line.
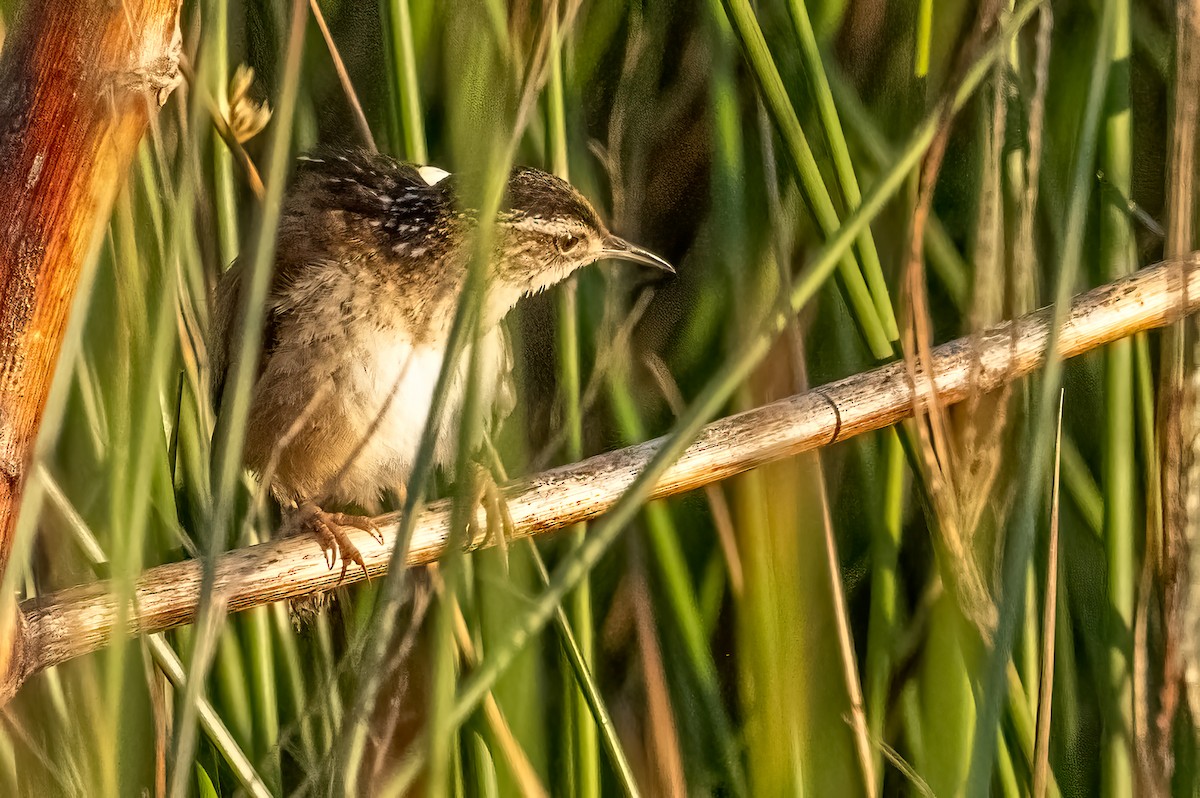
[869, 620]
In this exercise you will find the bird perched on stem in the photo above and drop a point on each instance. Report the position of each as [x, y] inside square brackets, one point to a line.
[371, 260]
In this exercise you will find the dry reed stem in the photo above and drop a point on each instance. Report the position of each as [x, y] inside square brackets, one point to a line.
[1041, 767]
[80, 83]
[76, 621]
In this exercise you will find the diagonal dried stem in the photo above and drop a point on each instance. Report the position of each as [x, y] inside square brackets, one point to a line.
[1041, 770]
[72, 622]
[360, 118]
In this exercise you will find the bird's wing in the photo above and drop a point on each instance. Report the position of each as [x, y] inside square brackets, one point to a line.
[335, 196]
[224, 309]
[226, 330]
[505, 400]
[371, 187]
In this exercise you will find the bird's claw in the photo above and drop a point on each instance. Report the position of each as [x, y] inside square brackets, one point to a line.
[487, 493]
[330, 531]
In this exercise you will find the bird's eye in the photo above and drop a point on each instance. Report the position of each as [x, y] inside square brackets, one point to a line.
[568, 242]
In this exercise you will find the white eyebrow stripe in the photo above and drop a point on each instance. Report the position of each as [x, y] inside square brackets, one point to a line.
[432, 175]
[535, 224]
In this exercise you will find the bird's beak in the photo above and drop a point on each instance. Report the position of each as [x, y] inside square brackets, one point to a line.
[620, 249]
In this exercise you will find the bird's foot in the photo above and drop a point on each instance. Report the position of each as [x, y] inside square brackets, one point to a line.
[486, 493]
[330, 532]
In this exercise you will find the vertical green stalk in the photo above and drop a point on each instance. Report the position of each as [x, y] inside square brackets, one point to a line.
[405, 122]
[229, 439]
[127, 259]
[441, 739]
[1007, 774]
[947, 706]
[924, 38]
[882, 624]
[948, 265]
[225, 192]
[1030, 652]
[818, 81]
[586, 753]
[291, 678]
[775, 96]
[261, 661]
[1118, 258]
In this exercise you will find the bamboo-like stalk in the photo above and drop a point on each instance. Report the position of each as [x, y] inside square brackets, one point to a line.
[80, 81]
[76, 621]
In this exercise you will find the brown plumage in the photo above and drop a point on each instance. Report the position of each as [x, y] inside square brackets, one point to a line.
[371, 260]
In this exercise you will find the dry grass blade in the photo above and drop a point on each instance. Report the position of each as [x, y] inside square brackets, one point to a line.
[1024, 289]
[722, 517]
[226, 132]
[360, 119]
[905, 769]
[841, 615]
[1041, 770]
[958, 469]
[1180, 434]
[662, 736]
[1144, 739]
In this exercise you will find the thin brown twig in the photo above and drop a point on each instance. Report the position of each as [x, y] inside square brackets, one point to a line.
[1041, 772]
[718, 504]
[221, 125]
[841, 614]
[662, 738]
[360, 119]
[935, 434]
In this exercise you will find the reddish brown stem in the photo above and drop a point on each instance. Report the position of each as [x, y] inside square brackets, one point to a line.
[78, 82]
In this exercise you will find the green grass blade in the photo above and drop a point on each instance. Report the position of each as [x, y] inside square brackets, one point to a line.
[581, 669]
[731, 374]
[818, 80]
[406, 123]
[1119, 258]
[775, 96]
[585, 754]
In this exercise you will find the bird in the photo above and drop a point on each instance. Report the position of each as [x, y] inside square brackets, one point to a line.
[372, 256]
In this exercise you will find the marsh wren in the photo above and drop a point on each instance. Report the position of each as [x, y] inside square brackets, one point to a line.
[371, 260]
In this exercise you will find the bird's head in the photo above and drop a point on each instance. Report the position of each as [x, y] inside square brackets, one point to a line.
[547, 230]
[349, 204]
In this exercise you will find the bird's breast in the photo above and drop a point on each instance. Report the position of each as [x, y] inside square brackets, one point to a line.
[387, 392]
[355, 331]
